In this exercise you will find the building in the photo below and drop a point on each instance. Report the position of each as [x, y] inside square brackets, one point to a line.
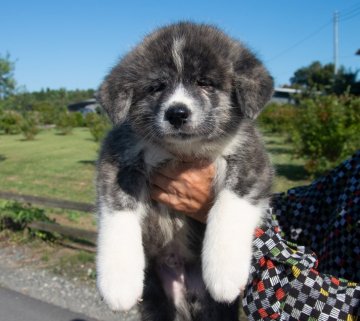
[85, 106]
[284, 95]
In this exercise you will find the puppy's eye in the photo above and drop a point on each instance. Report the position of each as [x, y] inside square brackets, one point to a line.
[205, 83]
[155, 88]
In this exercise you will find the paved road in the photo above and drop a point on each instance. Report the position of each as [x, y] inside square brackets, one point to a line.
[15, 306]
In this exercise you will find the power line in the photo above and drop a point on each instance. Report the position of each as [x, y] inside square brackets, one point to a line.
[344, 15]
[300, 41]
[350, 10]
[350, 16]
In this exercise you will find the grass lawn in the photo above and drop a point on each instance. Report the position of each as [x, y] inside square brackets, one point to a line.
[52, 165]
[62, 166]
[289, 169]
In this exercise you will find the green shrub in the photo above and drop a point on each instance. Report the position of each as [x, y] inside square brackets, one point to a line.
[79, 120]
[17, 216]
[48, 113]
[65, 122]
[327, 131]
[278, 118]
[98, 125]
[30, 125]
[11, 122]
[352, 125]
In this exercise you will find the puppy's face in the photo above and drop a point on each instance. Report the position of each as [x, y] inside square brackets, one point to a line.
[183, 93]
[186, 82]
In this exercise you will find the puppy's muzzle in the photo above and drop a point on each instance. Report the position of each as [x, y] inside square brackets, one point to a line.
[177, 115]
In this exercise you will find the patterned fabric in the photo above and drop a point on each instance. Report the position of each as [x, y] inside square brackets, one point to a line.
[288, 281]
[325, 217]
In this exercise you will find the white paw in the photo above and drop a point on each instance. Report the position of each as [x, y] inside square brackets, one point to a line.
[121, 288]
[227, 248]
[120, 261]
[226, 279]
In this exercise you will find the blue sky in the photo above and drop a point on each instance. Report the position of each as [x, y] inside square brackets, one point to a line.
[74, 43]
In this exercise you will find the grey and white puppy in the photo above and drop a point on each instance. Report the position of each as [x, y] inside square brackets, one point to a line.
[187, 90]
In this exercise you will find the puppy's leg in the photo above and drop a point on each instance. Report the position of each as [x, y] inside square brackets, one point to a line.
[171, 272]
[227, 248]
[120, 258]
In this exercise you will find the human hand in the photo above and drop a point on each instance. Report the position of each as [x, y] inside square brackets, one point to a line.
[185, 187]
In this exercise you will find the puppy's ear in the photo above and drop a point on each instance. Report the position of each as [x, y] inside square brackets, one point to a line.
[253, 85]
[115, 100]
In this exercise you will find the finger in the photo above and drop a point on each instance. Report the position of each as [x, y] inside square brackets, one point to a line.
[169, 185]
[170, 200]
[158, 194]
[160, 180]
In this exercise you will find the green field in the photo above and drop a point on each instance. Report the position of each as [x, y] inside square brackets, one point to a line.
[289, 169]
[53, 165]
[62, 166]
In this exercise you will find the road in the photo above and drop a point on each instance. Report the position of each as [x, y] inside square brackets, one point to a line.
[15, 306]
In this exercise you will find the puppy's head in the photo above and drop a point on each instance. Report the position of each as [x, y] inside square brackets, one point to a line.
[186, 82]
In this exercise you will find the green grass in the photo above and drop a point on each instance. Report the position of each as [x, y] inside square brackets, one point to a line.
[59, 166]
[289, 168]
[62, 166]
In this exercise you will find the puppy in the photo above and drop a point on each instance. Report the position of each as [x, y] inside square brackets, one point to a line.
[188, 90]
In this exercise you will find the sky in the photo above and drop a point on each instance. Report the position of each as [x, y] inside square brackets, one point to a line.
[72, 44]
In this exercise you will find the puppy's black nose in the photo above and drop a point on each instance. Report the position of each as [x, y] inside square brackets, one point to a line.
[177, 115]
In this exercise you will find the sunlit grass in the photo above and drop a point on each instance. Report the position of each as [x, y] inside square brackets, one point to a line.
[58, 166]
[289, 168]
[62, 166]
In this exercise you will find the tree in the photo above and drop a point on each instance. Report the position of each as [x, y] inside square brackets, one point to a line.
[320, 77]
[7, 80]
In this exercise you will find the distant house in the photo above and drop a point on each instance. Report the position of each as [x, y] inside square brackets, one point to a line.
[85, 106]
[284, 95]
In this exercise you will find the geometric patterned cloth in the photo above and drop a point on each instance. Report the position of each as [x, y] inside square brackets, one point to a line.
[288, 281]
[325, 217]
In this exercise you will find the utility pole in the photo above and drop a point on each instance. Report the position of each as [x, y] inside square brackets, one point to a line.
[336, 42]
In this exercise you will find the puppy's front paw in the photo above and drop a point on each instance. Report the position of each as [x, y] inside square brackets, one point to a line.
[227, 248]
[226, 278]
[120, 260]
[121, 289]
[226, 266]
